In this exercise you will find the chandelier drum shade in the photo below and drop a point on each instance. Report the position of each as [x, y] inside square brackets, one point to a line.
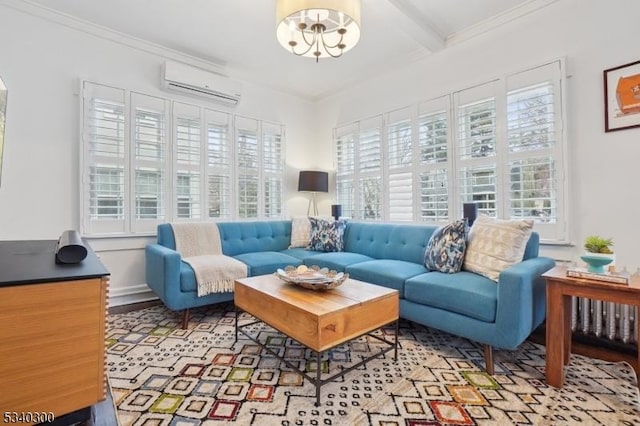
[318, 28]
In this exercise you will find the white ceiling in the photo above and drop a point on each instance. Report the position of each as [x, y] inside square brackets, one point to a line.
[239, 35]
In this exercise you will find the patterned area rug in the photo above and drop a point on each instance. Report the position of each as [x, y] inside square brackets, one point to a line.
[163, 375]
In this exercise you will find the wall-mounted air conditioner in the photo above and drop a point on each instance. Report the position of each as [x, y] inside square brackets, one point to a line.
[186, 79]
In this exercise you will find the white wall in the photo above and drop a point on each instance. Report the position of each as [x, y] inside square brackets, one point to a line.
[593, 35]
[41, 63]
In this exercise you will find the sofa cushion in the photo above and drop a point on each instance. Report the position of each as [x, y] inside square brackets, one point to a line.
[385, 272]
[465, 293]
[496, 244]
[388, 240]
[300, 231]
[337, 261]
[266, 262]
[326, 235]
[446, 247]
[301, 253]
[251, 237]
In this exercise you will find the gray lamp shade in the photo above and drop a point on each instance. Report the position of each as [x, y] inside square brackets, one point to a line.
[313, 181]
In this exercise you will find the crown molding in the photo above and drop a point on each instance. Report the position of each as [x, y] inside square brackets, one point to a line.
[87, 27]
[498, 20]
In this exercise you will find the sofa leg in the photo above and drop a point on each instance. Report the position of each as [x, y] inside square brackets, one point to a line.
[185, 319]
[488, 359]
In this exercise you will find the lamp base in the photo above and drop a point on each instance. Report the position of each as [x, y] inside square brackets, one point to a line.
[312, 201]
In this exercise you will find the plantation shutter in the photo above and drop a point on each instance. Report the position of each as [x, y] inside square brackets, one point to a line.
[345, 140]
[219, 167]
[188, 174]
[534, 180]
[273, 169]
[400, 160]
[434, 161]
[104, 159]
[476, 129]
[149, 161]
[248, 160]
[369, 151]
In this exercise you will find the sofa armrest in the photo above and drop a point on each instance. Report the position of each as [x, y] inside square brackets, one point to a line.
[162, 272]
[522, 299]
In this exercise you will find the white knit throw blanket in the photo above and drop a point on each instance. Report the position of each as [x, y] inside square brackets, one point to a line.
[199, 245]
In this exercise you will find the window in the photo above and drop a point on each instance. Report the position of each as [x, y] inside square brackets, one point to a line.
[433, 165]
[188, 161]
[359, 169]
[273, 167]
[219, 165]
[147, 160]
[500, 144]
[400, 176]
[476, 134]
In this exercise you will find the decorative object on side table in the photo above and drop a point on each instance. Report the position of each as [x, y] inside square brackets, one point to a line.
[610, 277]
[313, 277]
[598, 253]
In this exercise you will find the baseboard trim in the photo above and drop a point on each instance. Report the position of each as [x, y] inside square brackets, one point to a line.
[131, 294]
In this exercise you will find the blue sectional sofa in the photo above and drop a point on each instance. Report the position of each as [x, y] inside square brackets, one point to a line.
[501, 314]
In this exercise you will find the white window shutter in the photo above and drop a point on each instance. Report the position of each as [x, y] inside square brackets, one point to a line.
[149, 186]
[434, 156]
[188, 147]
[104, 158]
[219, 169]
[248, 168]
[399, 166]
[273, 169]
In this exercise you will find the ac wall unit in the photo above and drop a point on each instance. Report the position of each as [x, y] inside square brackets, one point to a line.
[177, 77]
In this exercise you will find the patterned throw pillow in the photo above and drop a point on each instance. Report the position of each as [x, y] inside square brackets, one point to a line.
[446, 247]
[326, 235]
[300, 231]
[496, 244]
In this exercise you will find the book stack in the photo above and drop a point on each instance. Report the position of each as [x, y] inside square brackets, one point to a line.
[611, 277]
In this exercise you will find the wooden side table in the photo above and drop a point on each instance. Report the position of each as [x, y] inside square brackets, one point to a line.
[560, 288]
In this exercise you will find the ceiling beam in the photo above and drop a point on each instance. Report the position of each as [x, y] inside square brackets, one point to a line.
[413, 22]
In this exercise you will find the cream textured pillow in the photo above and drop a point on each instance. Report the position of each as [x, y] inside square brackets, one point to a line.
[496, 244]
[300, 231]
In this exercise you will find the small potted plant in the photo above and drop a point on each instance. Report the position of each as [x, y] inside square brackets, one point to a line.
[598, 253]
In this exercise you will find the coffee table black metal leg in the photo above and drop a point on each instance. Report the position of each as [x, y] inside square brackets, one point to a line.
[395, 349]
[237, 316]
[318, 383]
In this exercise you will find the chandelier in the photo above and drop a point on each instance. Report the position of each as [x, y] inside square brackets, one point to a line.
[318, 28]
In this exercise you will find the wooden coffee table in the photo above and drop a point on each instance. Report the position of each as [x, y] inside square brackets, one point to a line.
[320, 320]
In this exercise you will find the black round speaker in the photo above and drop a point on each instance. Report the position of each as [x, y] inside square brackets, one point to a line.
[70, 248]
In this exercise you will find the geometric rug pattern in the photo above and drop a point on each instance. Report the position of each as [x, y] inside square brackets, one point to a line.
[162, 375]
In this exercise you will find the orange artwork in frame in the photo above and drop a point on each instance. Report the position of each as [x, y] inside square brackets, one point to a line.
[622, 97]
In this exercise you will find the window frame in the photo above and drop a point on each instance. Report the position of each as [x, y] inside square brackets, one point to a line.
[137, 219]
[501, 159]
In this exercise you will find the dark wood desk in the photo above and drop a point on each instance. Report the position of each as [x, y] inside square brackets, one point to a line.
[52, 330]
[560, 288]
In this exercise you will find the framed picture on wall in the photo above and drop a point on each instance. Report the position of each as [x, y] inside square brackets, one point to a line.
[622, 97]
